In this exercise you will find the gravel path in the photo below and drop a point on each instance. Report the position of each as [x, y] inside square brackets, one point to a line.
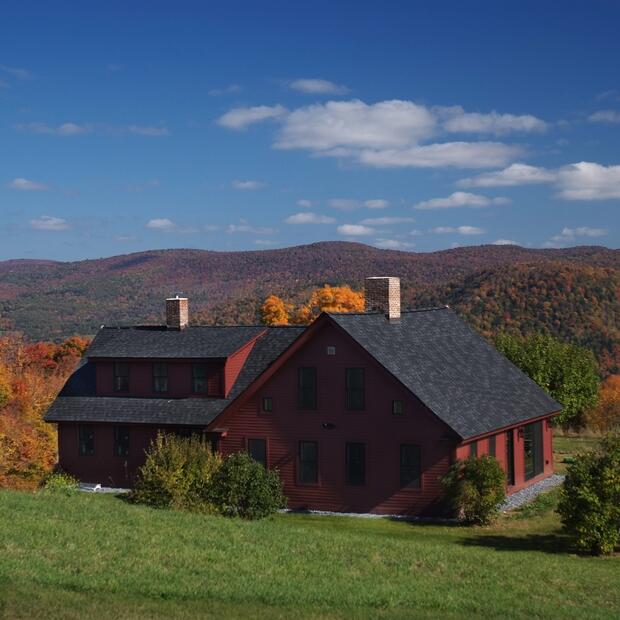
[527, 495]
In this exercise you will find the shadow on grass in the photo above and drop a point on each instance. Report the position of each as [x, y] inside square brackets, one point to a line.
[545, 543]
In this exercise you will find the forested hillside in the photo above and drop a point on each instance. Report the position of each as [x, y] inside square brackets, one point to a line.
[571, 292]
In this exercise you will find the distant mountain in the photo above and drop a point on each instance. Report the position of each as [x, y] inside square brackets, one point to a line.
[572, 292]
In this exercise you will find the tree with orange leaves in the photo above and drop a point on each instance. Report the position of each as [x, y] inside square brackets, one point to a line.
[330, 299]
[605, 416]
[275, 311]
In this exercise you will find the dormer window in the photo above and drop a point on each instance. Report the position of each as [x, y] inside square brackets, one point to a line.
[121, 377]
[160, 377]
[200, 379]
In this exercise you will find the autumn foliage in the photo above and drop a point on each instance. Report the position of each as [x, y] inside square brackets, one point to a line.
[275, 311]
[606, 415]
[31, 374]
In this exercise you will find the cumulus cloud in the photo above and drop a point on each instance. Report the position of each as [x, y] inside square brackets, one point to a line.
[78, 129]
[504, 242]
[377, 203]
[227, 90]
[318, 87]
[344, 204]
[385, 221]
[245, 227]
[247, 185]
[461, 199]
[16, 72]
[605, 116]
[66, 129]
[459, 121]
[148, 130]
[393, 244]
[306, 204]
[355, 230]
[307, 217]
[588, 181]
[569, 234]
[26, 185]
[460, 230]
[515, 174]
[161, 223]
[242, 118]
[49, 222]
[265, 242]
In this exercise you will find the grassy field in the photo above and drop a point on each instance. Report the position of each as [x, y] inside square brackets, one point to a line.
[567, 446]
[99, 557]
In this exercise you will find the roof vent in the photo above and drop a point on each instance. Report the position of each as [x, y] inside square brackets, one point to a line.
[382, 294]
[177, 312]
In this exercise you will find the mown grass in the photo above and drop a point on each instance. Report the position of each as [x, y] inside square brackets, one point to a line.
[98, 556]
[565, 447]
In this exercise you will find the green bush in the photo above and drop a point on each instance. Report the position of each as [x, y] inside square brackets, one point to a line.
[474, 488]
[61, 483]
[590, 498]
[176, 474]
[243, 488]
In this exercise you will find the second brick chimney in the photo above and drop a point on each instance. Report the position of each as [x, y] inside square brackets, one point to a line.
[382, 294]
[177, 312]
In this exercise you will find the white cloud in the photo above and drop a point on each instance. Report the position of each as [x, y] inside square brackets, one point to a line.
[588, 181]
[393, 244]
[605, 116]
[26, 185]
[264, 242]
[459, 121]
[504, 242]
[460, 230]
[211, 227]
[241, 118]
[377, 203]
[244, 227]
[355, 124]
[355, 230]
[440, 155]
[16, 72]
[515, 174]
[77, 129]
[385, 221]
[306, 204]
[66, 129]
[461, 199]
[568, 234]
[344, 204]
[247, 185]
[148, 130]
[161, 223]
[309, 218]
[48, 222]
[318, 87]
[227, 90]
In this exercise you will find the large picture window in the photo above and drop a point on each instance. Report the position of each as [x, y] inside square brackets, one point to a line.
[355, 460]
[306, 388]
[308, 462]
[121, 377]
[354, 380]
[533, 449]
[121, 441]
[160, 377]
[86, 441]
[410, 466]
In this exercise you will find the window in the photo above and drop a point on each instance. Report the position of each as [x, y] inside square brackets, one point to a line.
[355, 460]
[200, 379]
[257, 449]
[354, 380]
[410, 466]
[121, 377]
[492, 446]
[397, 407]
[308, 462]
[86, 440]
[510, 457]
[331, 350]
[473, 448]
[267, 404]
[306, 392]
[121, 441]
[160, 377]
[533, 449]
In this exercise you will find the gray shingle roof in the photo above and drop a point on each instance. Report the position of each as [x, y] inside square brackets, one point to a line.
[159, 342]
[77, 401]
[467, 383]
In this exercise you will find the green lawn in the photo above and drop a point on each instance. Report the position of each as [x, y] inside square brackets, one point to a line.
[567, 446]
[90, 556]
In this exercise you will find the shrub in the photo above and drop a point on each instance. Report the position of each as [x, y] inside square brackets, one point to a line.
[590, 498]
[61, 483]
[474, 489]
[243, 488]
[176, 474]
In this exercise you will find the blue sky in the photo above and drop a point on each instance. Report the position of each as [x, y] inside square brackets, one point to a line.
[127, 126]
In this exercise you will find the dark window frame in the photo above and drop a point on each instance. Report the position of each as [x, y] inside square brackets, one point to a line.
[307, 394]
[407, 480]
[473, 449]
[493, 446]
[510, 457]
[266, 404]
[533, 463]
[398, 407]
[120, 381]
[352, 460]
[265, 460]
[200, 377]
[159, 376]
[122, 441]
[302, 462]
[355, 397]
[82, 449]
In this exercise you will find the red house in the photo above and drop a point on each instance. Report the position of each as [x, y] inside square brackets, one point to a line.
[360, 412]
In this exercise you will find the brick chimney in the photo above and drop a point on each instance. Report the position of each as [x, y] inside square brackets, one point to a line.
[383, 295]
[177, 313]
